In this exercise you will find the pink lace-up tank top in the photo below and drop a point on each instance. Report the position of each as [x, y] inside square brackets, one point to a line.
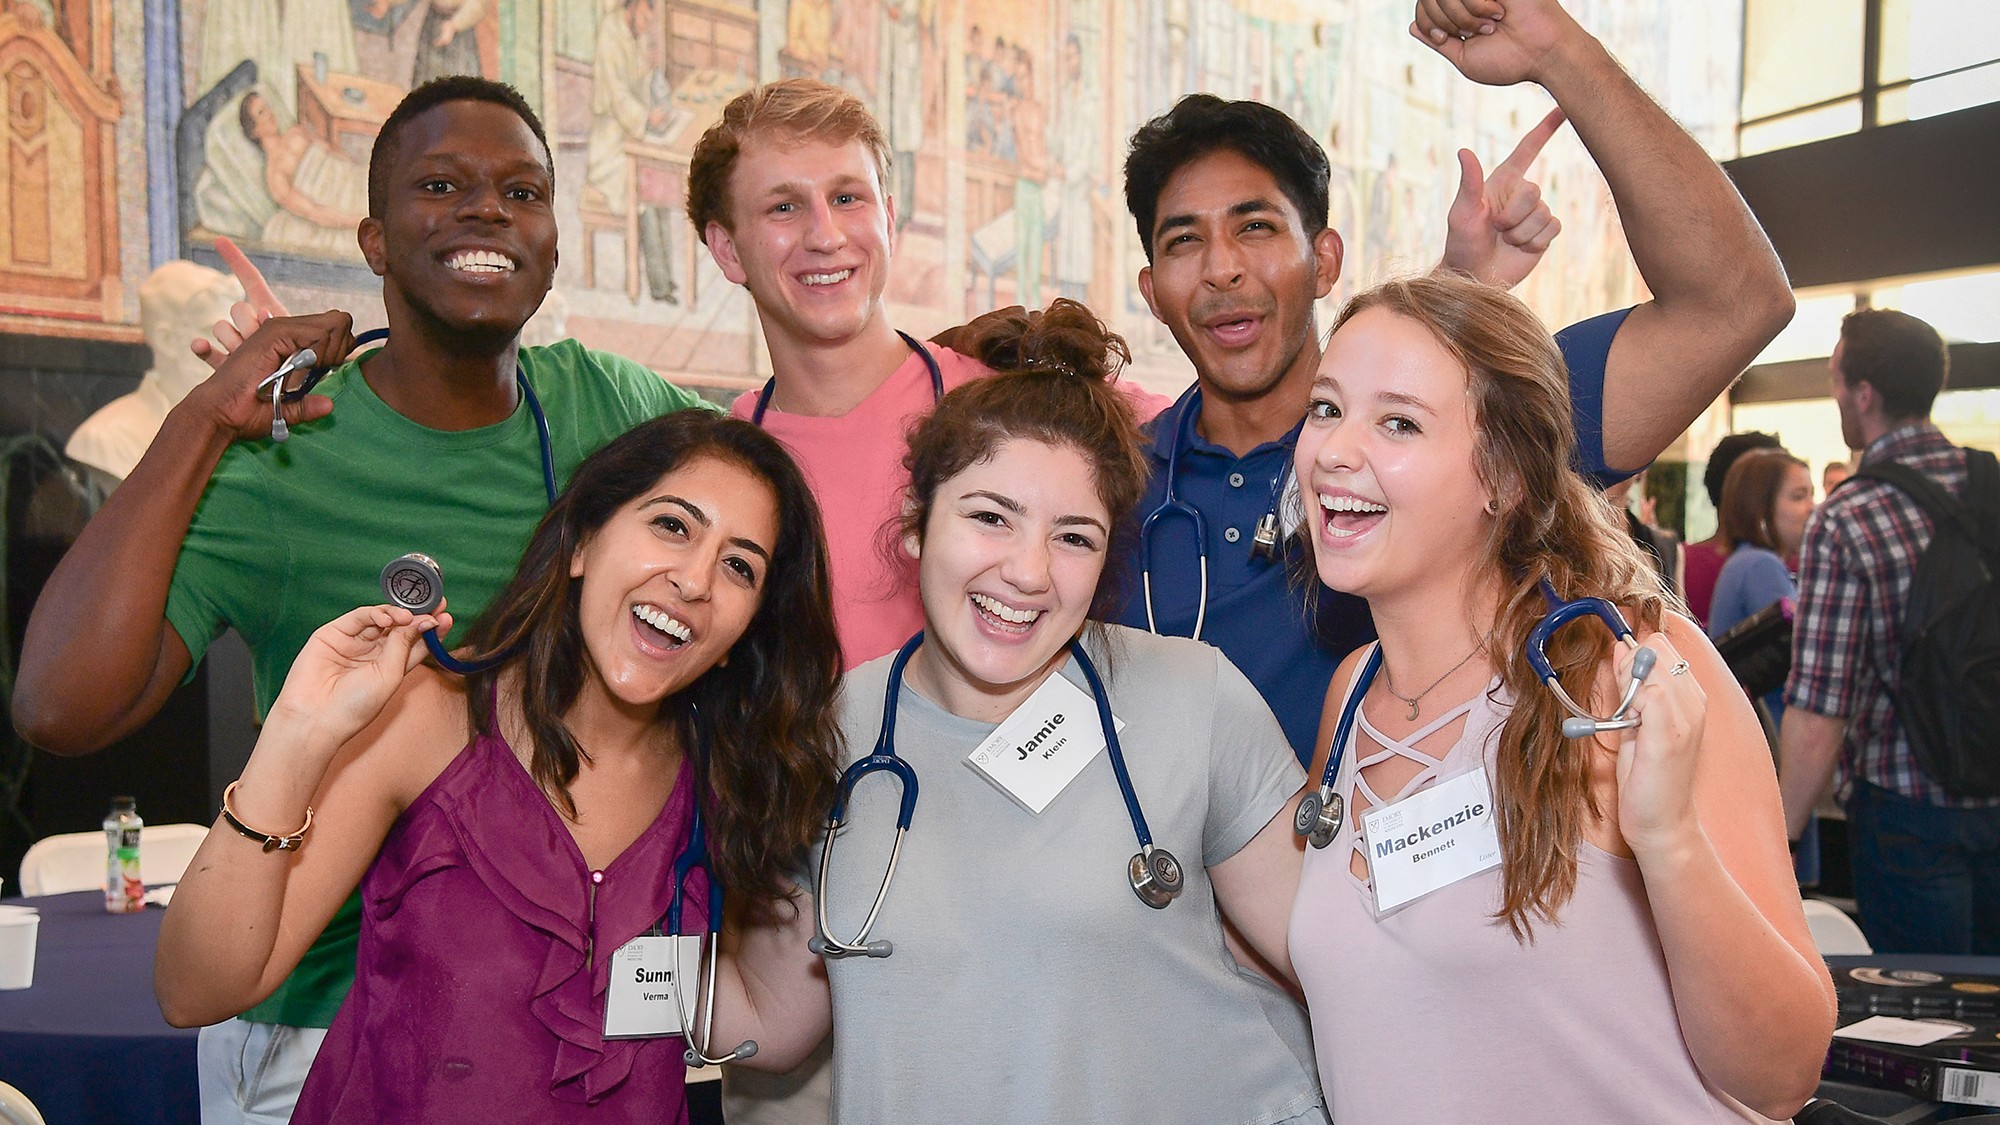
[1435, 1013]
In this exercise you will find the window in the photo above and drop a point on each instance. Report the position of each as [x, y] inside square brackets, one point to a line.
[1813, 70]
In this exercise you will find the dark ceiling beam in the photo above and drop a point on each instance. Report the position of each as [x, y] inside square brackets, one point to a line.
[1917, 197]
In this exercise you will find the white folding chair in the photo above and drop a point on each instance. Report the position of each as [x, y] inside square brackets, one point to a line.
[55, 865]
[74, 861]
[1833, 932]
[16, 1109]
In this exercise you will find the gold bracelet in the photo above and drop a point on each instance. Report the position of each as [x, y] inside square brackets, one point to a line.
[286, 843]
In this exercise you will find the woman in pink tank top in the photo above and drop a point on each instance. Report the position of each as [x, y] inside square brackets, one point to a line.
[663, 659]
[1510, 925]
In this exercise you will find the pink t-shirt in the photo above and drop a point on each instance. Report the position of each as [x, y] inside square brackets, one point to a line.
[854, 464]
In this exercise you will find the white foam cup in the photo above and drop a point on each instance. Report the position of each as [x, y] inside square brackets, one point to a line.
[18, 926]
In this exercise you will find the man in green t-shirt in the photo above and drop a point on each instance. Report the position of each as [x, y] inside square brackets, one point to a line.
[428, 444]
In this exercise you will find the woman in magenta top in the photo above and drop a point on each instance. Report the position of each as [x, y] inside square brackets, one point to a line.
[1626, 943]
[669, 643]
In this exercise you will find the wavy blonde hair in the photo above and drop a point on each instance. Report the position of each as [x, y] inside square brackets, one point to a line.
[1552, 526]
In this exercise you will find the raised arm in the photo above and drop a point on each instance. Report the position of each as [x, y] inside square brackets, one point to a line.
[1719, 293]
[99, 657]
[353, 740]
[1698, 806]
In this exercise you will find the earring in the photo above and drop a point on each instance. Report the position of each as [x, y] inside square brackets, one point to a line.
[1493, 506]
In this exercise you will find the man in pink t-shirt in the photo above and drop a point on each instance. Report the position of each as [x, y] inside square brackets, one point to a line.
[787, 190]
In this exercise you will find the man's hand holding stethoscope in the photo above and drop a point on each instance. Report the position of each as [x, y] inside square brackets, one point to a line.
[258, 385]
[1657, 758]
[257, 390]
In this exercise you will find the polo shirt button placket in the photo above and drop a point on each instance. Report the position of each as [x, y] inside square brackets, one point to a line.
[1235, 481]
[1231, 535]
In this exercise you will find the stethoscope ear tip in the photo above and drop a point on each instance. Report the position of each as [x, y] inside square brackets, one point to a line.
[1579, 728]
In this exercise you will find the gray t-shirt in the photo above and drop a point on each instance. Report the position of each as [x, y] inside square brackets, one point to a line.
[1028, 983]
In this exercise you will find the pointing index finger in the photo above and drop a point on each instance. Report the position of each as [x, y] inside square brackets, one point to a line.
[1524, 154]
[255, 289]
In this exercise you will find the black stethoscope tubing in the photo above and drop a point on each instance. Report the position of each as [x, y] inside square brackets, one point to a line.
[930, 364]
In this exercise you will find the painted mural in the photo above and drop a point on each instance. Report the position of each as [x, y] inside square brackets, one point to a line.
[174, 123]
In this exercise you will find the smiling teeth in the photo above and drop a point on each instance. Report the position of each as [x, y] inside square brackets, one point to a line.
[658, 619]
[1000, 610]
[1351, 504]
[834, 278]
[480, 261]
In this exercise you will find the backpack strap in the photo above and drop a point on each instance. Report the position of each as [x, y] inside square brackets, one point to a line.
[1982, 494]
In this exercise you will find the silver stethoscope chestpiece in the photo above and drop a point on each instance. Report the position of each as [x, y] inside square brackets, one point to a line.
[415, 582]
[1318, 817]
[1156, 877]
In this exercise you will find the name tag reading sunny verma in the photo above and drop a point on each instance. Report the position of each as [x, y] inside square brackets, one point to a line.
[1039, 749]
[1430, 839]
[641, 1002]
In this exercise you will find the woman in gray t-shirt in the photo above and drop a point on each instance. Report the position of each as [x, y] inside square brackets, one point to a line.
[1028, 981]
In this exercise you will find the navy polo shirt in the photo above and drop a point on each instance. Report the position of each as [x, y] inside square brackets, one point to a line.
[1257, 612]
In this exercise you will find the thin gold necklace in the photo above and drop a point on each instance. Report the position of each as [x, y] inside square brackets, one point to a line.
[1389, 678]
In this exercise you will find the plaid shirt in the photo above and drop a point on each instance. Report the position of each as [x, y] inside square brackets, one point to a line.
[1855, 564]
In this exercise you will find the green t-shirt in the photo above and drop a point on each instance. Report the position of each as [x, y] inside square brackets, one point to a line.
[289, 536]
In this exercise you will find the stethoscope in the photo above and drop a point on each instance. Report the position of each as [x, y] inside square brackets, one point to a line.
[416, 581]
[1319, 813]
[693, 856]
[1263, 541]
[930, 365]
[1153, 872]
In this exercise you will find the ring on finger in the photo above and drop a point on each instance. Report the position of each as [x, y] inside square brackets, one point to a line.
[1680, 666]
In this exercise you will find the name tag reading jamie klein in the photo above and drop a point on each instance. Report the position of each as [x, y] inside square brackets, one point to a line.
[1040, 748]
[1431, 839]
[641, 1001]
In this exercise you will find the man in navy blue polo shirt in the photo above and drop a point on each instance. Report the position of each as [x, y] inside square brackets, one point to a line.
[1230, 199]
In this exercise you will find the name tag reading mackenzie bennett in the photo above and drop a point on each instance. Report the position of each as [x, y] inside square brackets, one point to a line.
[1430, 839]
[1039, 749]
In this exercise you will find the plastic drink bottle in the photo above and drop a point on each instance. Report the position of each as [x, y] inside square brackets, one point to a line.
[124, 892]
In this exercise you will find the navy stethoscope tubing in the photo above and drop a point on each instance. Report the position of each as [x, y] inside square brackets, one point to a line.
[930, 365]
[416, 581]
[1264, 540]
[1320, 812]
[1153, 873]
[1171, 505]
[698, 1042]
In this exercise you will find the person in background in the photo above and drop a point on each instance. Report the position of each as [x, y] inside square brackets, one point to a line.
[1702, 562]
[1639, 916]
[1660, 545]
[662, 659]
[1765, 501]
[1831, 476]
[1926, 864]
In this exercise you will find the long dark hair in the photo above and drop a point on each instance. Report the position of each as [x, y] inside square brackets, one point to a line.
[1552, 525]
[760, 728]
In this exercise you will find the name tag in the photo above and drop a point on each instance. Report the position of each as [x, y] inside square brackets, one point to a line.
[1040, 748]
[1431, 839]
[641, 1000]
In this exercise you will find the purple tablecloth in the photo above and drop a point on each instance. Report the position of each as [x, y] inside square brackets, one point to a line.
[87, 1043]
